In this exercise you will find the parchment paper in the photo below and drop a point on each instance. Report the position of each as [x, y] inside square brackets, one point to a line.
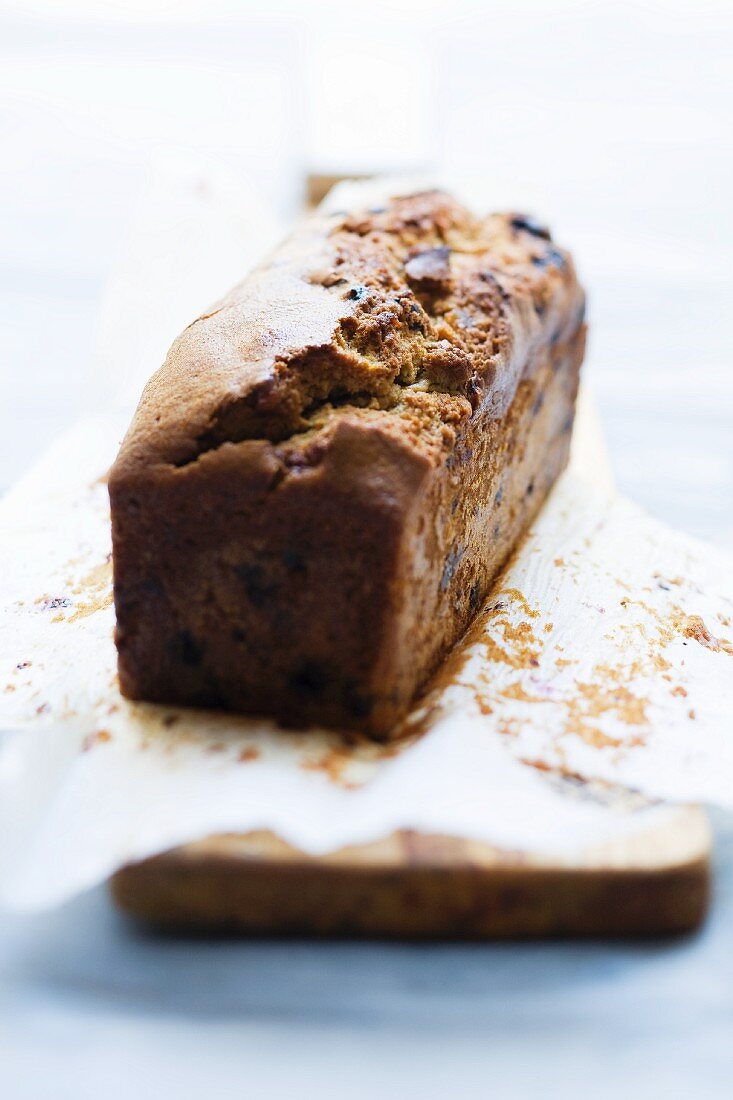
[604, 652]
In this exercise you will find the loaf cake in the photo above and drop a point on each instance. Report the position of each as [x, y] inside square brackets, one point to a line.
[322, 481]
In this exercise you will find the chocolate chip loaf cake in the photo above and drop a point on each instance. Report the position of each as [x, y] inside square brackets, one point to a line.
[322, 481]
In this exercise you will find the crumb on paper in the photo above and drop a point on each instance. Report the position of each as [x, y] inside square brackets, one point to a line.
[249, 754]
[693, 626]
[332, 763]
[99, 737]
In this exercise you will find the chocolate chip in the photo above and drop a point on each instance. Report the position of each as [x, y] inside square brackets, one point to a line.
[473, 392]
[360, 705]
[254, 579]
[357, 293]
[530, 225]
[294, 561]
[310, 679]
[152, 587]
[551, 258]
[416, 323]
[451, 564]
[189, 649]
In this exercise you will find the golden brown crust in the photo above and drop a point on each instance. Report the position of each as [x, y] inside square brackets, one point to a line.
[407, 308]
[300, 507]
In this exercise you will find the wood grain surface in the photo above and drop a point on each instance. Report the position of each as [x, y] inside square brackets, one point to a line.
[414, 886]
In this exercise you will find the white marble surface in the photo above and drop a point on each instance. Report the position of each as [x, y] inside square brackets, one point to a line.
[95, 1009]
[613, 120]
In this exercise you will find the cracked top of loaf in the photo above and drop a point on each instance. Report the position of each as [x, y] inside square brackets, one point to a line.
[412, 314]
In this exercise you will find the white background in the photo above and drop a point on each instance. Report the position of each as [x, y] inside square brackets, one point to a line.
[613, 121]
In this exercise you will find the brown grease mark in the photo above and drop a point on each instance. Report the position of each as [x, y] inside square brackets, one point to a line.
[516, 691]
[660, 663]
[494, 652]
[170, 720]
[629, 708]
[249, 754]
[679, 691]
[590, 734]
[560, 770]
[605, 695]
[9, 688]
[548, 627]
[96, 579]
[691, 714]
[559, 562]
[96, 585]
[97, 738]
[508, 727]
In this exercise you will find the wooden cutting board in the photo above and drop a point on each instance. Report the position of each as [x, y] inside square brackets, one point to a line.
[412, 886]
